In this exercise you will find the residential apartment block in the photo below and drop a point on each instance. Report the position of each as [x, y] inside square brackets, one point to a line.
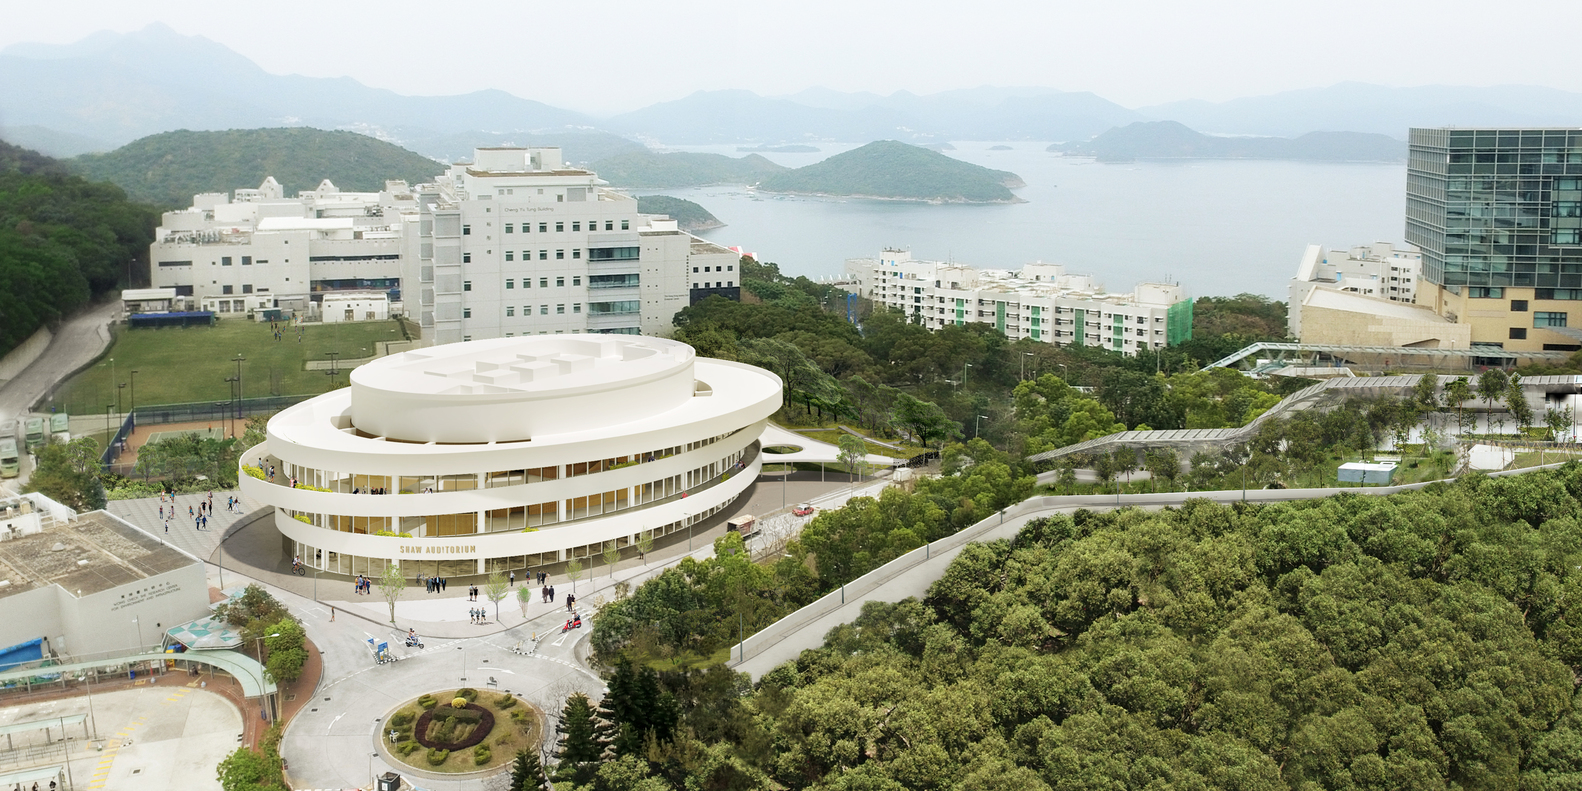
[1040, 302]
[513, 243]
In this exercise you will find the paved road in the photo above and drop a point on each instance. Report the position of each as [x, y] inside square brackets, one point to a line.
[82, 338]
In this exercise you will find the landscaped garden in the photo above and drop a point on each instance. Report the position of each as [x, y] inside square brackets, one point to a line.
[464, 730]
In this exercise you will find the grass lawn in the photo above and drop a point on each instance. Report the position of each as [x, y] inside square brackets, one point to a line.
[516, 727]
[184, 365]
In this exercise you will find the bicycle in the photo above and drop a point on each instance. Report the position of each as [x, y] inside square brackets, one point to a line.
[299, 570]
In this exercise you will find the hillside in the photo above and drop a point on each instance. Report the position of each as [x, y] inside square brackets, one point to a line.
[897, 171]
[645, 169]
[690, 216]
[1171, 140]
[63, 241]
[168, 169]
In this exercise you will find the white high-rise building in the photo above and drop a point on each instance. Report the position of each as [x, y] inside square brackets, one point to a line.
[515, 243]
[1040, 302]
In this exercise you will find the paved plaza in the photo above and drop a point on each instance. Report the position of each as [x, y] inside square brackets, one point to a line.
[155, 737]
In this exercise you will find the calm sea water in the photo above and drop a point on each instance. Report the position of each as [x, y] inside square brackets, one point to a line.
[1215, 227]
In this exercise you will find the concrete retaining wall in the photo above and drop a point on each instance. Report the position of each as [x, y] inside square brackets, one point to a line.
[18, 359]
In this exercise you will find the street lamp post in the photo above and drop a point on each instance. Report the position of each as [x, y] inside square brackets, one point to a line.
[108, 436]
[1066, 373]
[975, 425]
[964, 367]
[118, 388]
[133, 393]
[239, 359]
[1025, 355]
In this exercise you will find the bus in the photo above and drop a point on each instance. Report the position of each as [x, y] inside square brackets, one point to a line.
[60, 427]
[10, 463]
[35, 434]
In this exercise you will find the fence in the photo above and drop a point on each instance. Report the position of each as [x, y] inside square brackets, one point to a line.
[112, 449]
[214, 410]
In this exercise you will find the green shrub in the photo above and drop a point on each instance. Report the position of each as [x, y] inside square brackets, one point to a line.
[255, 472]
[460, 715]
[427, 702]
[437, 757]
[505, 702]
[520, 715]
[401, 718]
[407, 747]
[467, 692]
[480, 755]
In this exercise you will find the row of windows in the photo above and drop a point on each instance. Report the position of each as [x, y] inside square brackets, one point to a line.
[527, 255]
[560, 227]
[717, 284]
[543, 282]
[726, 268]
[527, 310]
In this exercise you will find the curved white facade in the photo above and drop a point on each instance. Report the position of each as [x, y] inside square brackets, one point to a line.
[511, 453]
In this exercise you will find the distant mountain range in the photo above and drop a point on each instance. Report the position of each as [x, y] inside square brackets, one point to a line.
[893, 170]
[1171, 140]
[109, 89]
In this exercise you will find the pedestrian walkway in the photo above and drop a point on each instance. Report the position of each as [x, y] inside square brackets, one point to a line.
[144, 513]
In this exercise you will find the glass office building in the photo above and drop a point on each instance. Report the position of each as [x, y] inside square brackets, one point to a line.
[1497, 208]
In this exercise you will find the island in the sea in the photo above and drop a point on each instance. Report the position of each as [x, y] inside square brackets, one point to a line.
[689, 216]
[892, 170]
[1172, 140]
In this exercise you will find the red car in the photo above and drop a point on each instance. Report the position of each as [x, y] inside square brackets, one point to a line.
[803, 509]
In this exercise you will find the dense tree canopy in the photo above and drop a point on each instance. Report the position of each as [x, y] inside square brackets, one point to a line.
[1421, 640]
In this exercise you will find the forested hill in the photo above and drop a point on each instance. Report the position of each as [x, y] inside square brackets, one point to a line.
[647, 169]
[894, 170]
[63, 241]
[690, 216]
[167, 169]
[1171, 140]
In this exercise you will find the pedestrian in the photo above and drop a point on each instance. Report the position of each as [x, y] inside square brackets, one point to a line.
[162, 512]
[191, 513]
[167, 527]
[332, 613]
[443, 583]
[571, 599]
[513, 578]
[552, 594]
[543, 594]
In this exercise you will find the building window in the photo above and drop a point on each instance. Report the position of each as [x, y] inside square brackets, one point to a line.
[543, 282]
[1483, 292]
[466, 258]
[543, 255]
[466, 338]
[509, 227]
[576, 226]
[576, 280]
[543, 227]
[626, 225]
[576, 253]
[466, 313]
[694, 270]
[511, 282]
[225, 289]
[560, 255]
[560, 309]
[508, 255]
[560, 282]
[559, 227]
[510, 310]
[1548, 318]
[1518, 306]
[225, 260]
[1518, 333]
[576, 307]
[609, 225]
[543, 310]
[731, 268]
[247, 260]
[466, 285]
[466, 230]
[247, 288]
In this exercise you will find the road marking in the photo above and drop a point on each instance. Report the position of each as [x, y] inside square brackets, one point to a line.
[337, 719]
[499, 670]
[562, 639]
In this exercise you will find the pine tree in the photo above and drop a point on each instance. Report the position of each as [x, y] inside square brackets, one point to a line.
[582, 741]
[527, 774]
[636, 707]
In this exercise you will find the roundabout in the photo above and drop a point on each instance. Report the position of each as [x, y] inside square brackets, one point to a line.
[461, 731]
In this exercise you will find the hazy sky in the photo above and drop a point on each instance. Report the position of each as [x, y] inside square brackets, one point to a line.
[606, 56]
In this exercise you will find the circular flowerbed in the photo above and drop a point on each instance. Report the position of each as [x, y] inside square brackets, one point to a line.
[448, 728]
[462, 731]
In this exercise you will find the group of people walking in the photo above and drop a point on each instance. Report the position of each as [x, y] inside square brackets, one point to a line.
[433, 584]
[199, 514]
[364, 585]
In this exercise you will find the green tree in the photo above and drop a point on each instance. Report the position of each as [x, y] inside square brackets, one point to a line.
[287, 646]
[645, 545]
[574, 572]
[392, 585]
[67, 474]
[581, 745]
[1516, 403]
[1558, 420]
[1163, 463]
[924, 420]
[1457, 393]
[495, 589]
[527, 774]
[1492, 386]
[611, 555]
[853, 453]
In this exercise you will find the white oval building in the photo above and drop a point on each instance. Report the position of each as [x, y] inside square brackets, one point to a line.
[511, 453]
